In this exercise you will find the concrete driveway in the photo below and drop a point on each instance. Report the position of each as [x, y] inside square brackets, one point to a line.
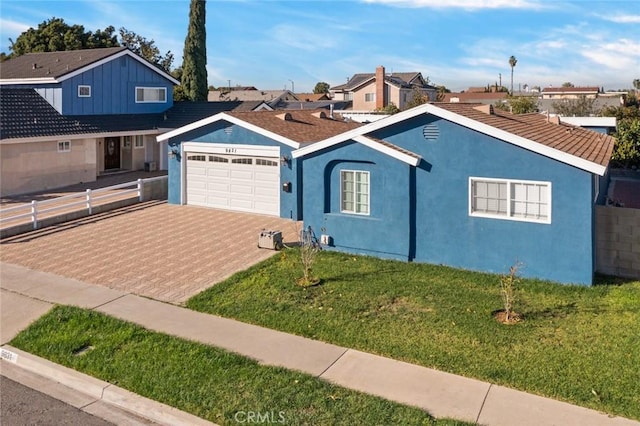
[154, 249]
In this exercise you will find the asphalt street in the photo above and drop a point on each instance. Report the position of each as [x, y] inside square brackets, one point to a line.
[21, 406]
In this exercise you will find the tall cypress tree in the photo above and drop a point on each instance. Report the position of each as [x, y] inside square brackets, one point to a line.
[194, 66]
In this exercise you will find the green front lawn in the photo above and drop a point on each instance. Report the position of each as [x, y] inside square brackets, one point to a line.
[211, 383]
[577, 344]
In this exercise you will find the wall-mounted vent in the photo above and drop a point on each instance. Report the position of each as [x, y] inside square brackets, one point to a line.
[228, 130]
[431, 132]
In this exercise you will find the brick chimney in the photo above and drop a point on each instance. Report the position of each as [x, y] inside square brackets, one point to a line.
[380, 100]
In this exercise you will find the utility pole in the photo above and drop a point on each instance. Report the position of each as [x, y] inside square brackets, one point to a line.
[500, 76]
[293, 90]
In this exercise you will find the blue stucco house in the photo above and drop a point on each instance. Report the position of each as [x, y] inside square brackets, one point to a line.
[461, 185]
[242, 161]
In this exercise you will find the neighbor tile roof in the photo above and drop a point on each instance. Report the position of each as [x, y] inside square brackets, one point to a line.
[186, 112]
[53, 64]
[582, 143]
[570, 89]
[24, 113]
[396, 78]
[250, 95]
[298, 105]
[472, 97]
[303, 127]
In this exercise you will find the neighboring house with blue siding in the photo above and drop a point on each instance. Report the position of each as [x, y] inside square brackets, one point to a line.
[461, 185]
[242, 160]
[69, 116]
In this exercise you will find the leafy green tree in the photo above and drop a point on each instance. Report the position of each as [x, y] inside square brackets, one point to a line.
[418, 97]
[512, 63]
[145, 48]
[194, 66]
[518, 104]
[389, 109]
[321, 87]
[440, 91]
[55, 35]
[568, 84]
[178, 91]
[636, 83]
[626, 150]
[579, 107]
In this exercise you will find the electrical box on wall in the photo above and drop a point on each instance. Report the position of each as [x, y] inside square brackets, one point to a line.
[326, 240]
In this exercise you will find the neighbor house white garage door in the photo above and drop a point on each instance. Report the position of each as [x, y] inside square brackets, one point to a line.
[234, 181]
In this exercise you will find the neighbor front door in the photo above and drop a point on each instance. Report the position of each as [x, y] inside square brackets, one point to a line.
[111, 153]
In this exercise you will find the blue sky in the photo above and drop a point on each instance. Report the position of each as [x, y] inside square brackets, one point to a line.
[273, 44]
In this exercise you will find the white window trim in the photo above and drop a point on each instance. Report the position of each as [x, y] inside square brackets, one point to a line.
[126, 142]
[136, 139]
[508, 216]
[151, 88]
[84, 86]
[354, 193]
[66, 146]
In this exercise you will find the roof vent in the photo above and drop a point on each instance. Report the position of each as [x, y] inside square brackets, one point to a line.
[319, 114]
[35, 66]
[431, 132]
[285, 117]
[229, 129]
[487, 109]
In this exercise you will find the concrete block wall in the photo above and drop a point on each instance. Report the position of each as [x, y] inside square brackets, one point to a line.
[618, 241]
[155, 189]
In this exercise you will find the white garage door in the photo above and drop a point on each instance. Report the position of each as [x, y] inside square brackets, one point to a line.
[233, 182]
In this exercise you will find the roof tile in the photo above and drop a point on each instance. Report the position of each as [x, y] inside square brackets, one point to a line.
[582, 143]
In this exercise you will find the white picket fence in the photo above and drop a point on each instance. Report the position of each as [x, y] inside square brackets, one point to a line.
[36, 211]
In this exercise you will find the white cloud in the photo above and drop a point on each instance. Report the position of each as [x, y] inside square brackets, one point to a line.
[302, 38]
[623, 19]
[463, 4]
[620, 54]
[13, 26]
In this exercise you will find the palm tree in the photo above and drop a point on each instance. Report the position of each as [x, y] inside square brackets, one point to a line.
[512, 61]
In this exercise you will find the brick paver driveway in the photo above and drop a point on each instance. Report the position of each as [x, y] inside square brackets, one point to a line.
[162, 251]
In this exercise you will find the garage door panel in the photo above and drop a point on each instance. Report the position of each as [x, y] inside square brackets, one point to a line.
[266, 177]
[266, 207]
[197, 170]
[219, 173]
[241, 189]
[247, 205]
[215, 201]
[234, 182]
[197, 184]
[242, 174]
[224, 188]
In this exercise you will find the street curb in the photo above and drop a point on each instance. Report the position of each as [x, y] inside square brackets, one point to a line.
[102, 391]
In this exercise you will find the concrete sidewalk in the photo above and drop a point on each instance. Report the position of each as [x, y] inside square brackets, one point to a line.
[441, 394]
